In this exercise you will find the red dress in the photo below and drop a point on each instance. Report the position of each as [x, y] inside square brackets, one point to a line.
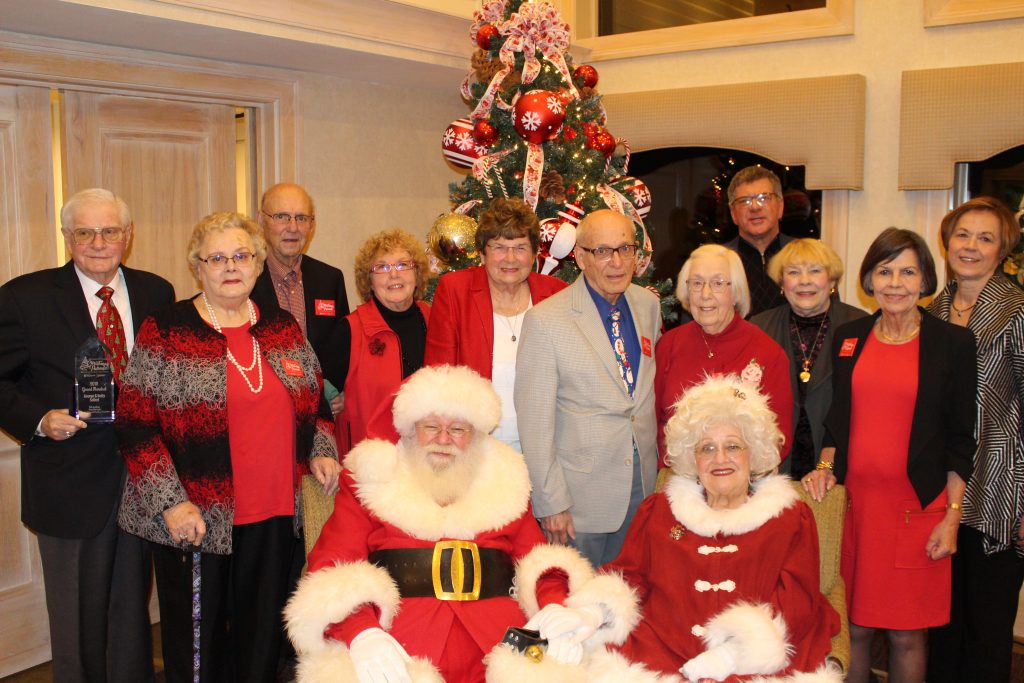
[890, 580]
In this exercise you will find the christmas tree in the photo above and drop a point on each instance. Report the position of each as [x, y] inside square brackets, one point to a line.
[537, 131]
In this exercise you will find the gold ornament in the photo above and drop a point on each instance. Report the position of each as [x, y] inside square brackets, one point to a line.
[452, 235]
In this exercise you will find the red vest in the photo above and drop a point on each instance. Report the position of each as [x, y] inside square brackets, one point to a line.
[374, 371]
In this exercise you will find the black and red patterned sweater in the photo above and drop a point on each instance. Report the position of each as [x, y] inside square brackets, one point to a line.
[172, 419]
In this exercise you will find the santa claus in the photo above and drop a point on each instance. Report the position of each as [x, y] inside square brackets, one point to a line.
[412, 576]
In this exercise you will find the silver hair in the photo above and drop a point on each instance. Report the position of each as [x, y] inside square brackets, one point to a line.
[94, 195]
[723, 400]
[738, 276]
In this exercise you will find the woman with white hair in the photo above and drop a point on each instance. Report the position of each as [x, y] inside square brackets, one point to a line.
[712, 286]
[723, 560]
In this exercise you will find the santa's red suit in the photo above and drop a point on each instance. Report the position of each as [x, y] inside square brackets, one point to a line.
[381, 506]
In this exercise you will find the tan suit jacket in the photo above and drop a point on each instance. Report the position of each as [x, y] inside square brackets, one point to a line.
[577, 422]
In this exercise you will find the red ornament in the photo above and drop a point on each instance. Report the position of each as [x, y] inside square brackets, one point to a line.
[538, 116]
[569, 133]
[590, 129]
[484, 133]
[585, 75]
[518, 175]
[484, 35]
[603, 142]
[458, 145]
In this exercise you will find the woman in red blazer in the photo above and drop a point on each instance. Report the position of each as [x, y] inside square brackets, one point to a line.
[477, 314]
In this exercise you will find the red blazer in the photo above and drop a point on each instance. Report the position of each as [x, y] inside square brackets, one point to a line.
[461, 328]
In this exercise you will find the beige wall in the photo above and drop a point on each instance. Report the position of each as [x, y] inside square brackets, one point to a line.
[370, 155]
[888, 39]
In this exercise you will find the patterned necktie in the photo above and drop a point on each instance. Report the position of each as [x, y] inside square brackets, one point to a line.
[111, 332]
[625, 369]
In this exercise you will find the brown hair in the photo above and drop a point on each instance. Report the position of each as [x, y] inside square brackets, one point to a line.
[1009, 229]
[749, 175]
[888, 246]
[381, 243]
[508, 219]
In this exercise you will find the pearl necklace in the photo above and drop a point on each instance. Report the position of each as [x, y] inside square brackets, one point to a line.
[255, 347]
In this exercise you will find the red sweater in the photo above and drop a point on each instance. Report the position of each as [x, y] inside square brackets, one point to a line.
[683, 361]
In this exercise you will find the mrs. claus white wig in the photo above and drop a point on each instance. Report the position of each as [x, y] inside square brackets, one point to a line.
[450, 391]
[722, 400]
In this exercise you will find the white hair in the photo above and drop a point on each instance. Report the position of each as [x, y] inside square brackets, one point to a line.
[94, 195]
[738, 276]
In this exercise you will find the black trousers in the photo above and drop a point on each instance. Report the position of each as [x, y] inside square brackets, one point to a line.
[97, 598]
[242, 595]
[976, 646]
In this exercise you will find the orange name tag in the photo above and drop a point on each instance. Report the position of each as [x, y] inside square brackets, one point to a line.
[645, 344]
[846, 350]
[292, 367]
[324, 306]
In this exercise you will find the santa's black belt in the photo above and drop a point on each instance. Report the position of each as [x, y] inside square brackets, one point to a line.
[451, 570]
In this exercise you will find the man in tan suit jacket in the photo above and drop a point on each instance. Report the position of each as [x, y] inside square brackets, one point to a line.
[585, 394]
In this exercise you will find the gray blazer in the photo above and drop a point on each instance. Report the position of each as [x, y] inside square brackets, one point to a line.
[577, 422]
[775, 323]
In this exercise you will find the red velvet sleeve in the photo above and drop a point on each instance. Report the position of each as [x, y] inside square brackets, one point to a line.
[779, 389]
[442, 328]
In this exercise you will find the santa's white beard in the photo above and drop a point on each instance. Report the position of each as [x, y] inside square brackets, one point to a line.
[446, 480]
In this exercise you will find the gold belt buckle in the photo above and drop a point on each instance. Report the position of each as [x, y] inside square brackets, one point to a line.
[458, 570]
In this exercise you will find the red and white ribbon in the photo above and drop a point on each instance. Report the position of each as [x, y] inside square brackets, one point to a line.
[532, 174]
[468, 206]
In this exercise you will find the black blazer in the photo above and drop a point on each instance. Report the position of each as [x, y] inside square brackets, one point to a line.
[942, 431]
[68, 488]
[775, 323]
[319, 281]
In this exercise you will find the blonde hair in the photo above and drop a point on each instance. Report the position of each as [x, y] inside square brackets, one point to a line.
[381, 243]
[738, 276]
[220, 222]
[722, 399]
[806, 251]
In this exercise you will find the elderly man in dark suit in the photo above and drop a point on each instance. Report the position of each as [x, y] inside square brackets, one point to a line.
[310, 290]
[71, 471]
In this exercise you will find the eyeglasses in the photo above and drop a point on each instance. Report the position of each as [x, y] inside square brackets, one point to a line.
[716, 285]
[518, 250]
[282, 218]
[730, 448]
[382, 268]
[112, 234]
[455, 431]
[626, 252]
[761, 198]
[220, 261]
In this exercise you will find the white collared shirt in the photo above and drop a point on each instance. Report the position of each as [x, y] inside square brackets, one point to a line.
[120, 301]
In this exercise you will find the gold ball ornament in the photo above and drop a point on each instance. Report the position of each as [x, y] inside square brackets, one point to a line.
[452, 235]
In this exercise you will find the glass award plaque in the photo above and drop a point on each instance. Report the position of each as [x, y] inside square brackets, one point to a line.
[95, 394]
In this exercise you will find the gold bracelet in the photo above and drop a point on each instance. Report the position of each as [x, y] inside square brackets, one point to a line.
[955, 506]
[823, 465]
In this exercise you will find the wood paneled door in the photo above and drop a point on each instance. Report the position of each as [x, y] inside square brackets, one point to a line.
[172, 161]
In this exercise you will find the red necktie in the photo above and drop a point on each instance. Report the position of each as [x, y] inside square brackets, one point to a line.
[111, 332]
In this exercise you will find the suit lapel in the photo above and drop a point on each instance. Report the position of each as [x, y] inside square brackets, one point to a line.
[481, 296]
[138, 297]
[72, 304]
[589, 322]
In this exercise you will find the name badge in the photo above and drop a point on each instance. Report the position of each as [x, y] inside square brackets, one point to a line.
[324, 306]
[846, 350]
[645, 344]
[292, 368]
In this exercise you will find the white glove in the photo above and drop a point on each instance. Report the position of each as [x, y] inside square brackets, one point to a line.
[379, 658]
[565, 650]
[574, 623]
[718, 663]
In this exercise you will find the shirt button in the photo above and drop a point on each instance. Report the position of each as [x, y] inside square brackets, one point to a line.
[632, 418]
[628, 461]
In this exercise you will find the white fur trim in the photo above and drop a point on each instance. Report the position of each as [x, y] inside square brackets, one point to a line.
[826, 673]
[618, 602]
[607, 666]
[771, 496]
[539, 560]
[451, 391]
[331, 594]
[505, 665]
[758, 638]
[388, 487]
[334, 665]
